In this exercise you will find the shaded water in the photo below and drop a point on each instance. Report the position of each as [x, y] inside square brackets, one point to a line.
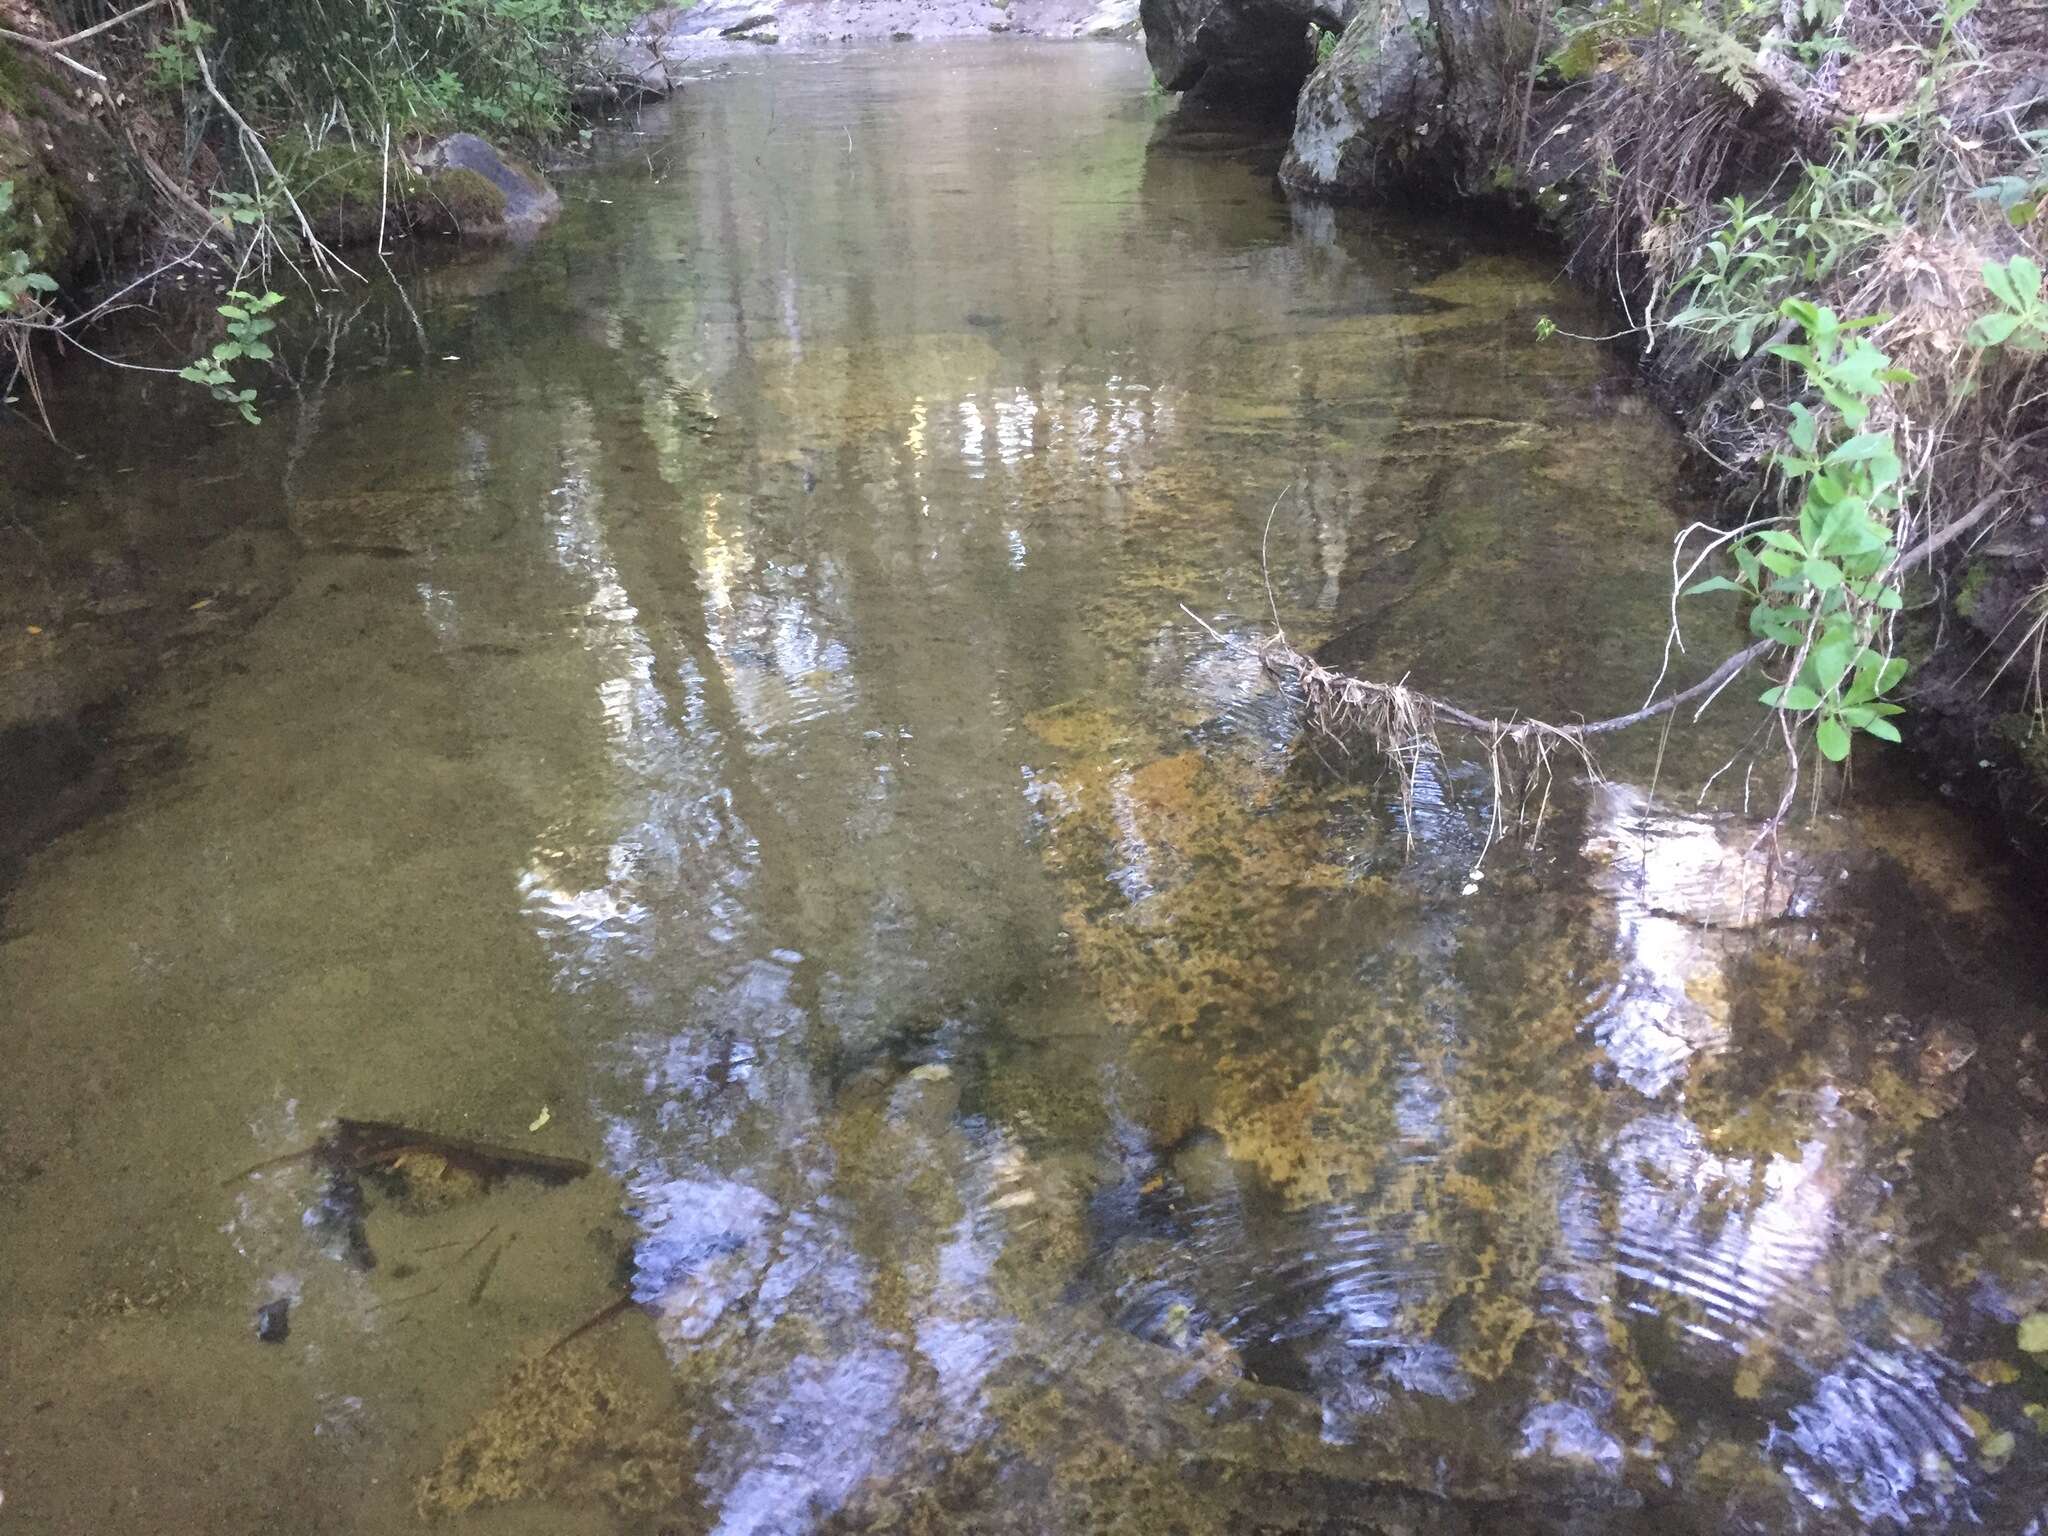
[717, 705]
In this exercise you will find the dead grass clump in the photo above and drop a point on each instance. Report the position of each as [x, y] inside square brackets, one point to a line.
[1664, 140]
[1930, 288]
[1879, 87]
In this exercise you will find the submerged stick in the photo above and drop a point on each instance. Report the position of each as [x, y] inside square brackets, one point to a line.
[268, 1163]
[463, 1256]
[611, 1309]
[476, 1293]
[1333, 696]
[354, 1145]
[365, 1143]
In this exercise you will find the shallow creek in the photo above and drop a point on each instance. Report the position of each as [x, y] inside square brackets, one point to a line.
[708, 695]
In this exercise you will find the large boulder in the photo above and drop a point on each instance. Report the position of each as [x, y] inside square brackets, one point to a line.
[1409, 101]
[1365, 115]
[1257, 50]
[486, 193]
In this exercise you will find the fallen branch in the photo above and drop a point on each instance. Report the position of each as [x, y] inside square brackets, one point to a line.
[1401, 722]
[49, 45]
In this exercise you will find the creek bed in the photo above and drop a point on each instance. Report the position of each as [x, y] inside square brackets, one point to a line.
[714, 702]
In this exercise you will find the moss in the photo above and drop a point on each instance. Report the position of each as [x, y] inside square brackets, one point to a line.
[40, 221]
[562, 1428]
[1971, 592]
[2027, 735]
[347, 193]
[14, 81]
[469, 198]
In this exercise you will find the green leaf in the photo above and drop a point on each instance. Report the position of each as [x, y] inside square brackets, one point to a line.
[1883, 730]
[234, 311]
[1802, 311]
[1992, 330]
[1786, 626]
[1797, 698]
[1777, 538]
[1824, 574]
[1711, 584]
[1889, 674]
[1778, 563]
[42, 282]
[1865, 445]
[1804, 431]
[2026, 279]
[1830, 657]
[1834, 740]
[2000, 283]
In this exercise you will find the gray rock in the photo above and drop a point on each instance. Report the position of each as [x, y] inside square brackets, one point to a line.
[1409, 100]
[529, 203]
[1365, 115]
[1111, 18]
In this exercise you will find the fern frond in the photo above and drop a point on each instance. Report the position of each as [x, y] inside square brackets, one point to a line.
[1719, 54]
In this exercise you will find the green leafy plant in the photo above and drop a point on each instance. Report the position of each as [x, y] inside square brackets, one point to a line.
[1731, 282]
[22, 287]
[248, 318]
[171, 66]
[509, 66]
[2023, 191]
[231, 208]
[1824, 587]
[1836, 211]
[2021, 321]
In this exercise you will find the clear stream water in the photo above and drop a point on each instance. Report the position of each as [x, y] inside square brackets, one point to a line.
[712, 699]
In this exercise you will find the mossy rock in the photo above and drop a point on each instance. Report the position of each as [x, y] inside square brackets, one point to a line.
[467, 199]
[485, 193]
